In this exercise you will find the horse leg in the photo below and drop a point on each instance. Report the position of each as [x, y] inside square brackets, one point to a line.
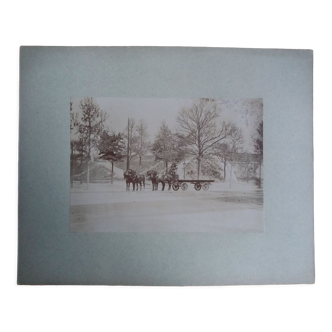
[169, 185]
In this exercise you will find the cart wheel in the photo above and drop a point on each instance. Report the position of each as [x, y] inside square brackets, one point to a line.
[175, 186]
[205, 186]
[197, 186]
[184, 186]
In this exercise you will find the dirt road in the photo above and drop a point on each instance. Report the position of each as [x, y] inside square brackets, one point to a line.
[108, 208]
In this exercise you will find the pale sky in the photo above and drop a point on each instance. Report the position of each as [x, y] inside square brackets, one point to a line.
[244, 112]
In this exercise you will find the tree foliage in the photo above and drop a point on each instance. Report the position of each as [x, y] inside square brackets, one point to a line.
[166, 146]
[73, 118]
[90, 125]
[111, 146]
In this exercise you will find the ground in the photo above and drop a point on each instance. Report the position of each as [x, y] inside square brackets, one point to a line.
[109, 208]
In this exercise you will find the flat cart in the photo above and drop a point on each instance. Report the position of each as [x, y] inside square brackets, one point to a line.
[198, 184]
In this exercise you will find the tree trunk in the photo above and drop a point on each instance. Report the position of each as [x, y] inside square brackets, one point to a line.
[72, 166]
[198, 167]
[139, 164]
[128, 162]
[89, 152]
[166, 164]
[224, 172]
[88, 176]
[248, 173]
[112, 173]
[81, 169]
[260, 173]
[230, 177]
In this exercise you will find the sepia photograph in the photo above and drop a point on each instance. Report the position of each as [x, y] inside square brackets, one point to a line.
[166, 165]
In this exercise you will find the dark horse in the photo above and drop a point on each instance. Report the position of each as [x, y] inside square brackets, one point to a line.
[139, 180]
[155, 180]
[167, 178]
[132, 177]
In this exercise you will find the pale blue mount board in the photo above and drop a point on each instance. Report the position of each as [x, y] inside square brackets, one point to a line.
[50, 254]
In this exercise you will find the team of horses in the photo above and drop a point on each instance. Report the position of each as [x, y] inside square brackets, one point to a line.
[136, 179]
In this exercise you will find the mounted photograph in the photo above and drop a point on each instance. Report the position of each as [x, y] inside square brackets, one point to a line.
[166, 165]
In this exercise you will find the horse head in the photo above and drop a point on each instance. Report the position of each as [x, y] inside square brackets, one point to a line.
[129, 174]
[151, 174]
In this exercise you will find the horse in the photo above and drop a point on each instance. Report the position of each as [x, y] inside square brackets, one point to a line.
[169, 176]
[136, 179]
[139, 179]
[155, 180]
[129, 176]
[153, 177]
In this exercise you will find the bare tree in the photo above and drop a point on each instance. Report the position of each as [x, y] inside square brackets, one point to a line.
[236, 141]
[246, 165]
[223, 153]
[129, 135]
[227, 150]
[258, 145]
[252, 111]
[235, 138]
[90, 126]
[78, 154]
[75, 156]
[73, 142]
[141, 144]
[72, 125]
[258, 140]
[198, 127]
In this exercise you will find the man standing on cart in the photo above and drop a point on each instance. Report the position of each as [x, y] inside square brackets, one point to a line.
[173, 169]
